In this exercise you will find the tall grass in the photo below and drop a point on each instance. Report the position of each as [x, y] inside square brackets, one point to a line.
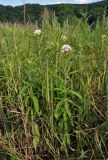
[52, 104]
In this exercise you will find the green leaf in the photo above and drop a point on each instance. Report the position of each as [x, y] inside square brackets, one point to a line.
[26, 83]
[27, 115]
[76, 94]
[59, 110]
[36, 134]
[73, 103]
[36, 105]
[61, 125]
[68, 112]
[27, 100]
[35, 129]
[65, 118]
[23, 91]
[35, 142]
[67, 137]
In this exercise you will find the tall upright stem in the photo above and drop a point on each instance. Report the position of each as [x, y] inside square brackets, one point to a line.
[107, 93]
[24, 12]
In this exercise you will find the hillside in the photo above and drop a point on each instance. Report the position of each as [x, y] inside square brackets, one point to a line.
[62, 11]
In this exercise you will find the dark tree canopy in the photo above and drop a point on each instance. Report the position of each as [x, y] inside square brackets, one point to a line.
[62, 11]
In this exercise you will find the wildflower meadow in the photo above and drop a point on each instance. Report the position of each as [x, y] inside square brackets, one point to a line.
[53, 91]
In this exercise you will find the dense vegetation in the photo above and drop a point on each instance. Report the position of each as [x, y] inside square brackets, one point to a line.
[53, 104]
[62, 11]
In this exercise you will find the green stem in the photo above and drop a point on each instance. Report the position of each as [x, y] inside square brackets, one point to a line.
[107, 93]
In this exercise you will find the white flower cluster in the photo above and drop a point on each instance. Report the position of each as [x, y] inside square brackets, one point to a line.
[63, 37]
[66, 48]
[103, 36]
[37, 32]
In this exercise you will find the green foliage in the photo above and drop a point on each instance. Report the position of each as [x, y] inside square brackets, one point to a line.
[53, 104]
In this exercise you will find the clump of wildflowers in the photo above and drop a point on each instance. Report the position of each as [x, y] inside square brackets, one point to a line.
[37, 32]
[66, 48]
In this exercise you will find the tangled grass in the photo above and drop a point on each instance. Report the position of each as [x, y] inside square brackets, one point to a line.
[53, 105]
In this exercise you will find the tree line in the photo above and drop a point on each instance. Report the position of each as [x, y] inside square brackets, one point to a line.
[33, 12]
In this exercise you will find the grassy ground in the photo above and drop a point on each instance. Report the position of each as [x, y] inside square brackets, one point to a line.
[53, 104]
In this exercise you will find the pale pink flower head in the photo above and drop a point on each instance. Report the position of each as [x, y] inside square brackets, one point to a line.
[66, 48]
[37, 32]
